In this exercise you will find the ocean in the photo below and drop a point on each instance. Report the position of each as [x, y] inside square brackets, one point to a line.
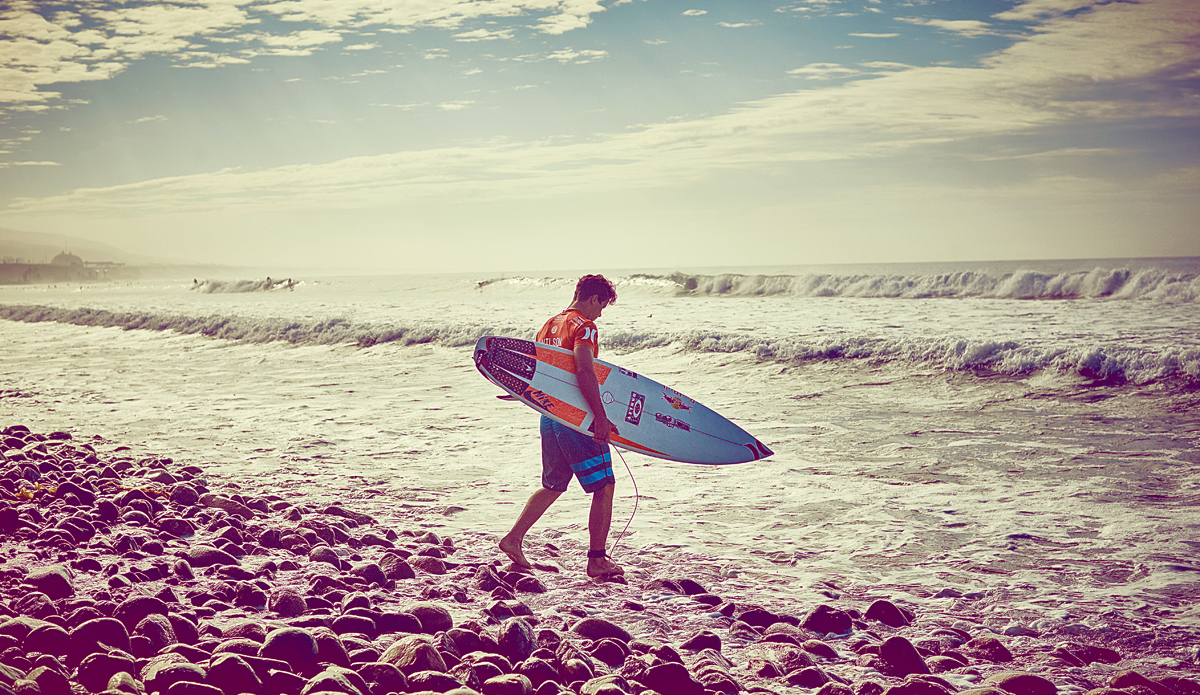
[1027, 430]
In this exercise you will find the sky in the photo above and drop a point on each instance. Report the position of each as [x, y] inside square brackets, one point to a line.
[456, 135]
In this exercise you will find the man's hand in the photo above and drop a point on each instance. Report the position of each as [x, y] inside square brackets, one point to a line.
[603, 429]
[585, 374]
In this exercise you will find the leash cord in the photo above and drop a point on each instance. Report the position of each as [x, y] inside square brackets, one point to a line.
[636, 497]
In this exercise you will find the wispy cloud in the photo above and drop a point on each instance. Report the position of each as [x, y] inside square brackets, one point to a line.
[694, 13]
[970, 28]
[873, 36]
[738, 25]
[824, 71]
[148, 119]
[5, 165]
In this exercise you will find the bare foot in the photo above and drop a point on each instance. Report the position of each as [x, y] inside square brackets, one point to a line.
[512, 548]
[603, 567]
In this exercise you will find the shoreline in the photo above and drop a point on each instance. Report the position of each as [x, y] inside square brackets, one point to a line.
[366, 597]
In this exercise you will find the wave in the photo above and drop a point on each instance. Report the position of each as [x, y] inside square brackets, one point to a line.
[1108, 364]
[227, 286]
[1154, 284]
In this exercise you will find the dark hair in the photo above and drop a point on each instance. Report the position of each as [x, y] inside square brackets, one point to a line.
[598, 286]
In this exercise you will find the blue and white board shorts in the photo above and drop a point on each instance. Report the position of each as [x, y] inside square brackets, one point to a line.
[566, 452]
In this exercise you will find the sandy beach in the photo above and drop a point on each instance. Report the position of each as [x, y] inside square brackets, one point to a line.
[131, 571]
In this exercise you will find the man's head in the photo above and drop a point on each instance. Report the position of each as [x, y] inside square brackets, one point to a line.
[597, 286]
[592, 294]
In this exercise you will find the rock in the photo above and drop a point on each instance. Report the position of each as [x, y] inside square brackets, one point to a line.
[508, 684]
[887, 613]
[1082, 655]
[610, 651]
[538, 671]
[758, 617]
[247, 629]
[385, 678]
[131, 611]
[517, 640]
[988, 648]
[347, 624]
[396, 567]
[238, 645]
[598, 629]
[157, 628]
[671, 679]
[330, 648]
[433, 681]
[287, 603]
[161, 676]
[834, 689]
[916, 686]
[810, 677]
[412, 654]
[901, 657]
[294, 645]
[942, 664]
[98, 635]
[95, 669]
[705, 639]
[434, 618]
[206, 556]
[607, 684]
[323, 553]
[49, 681]
[430, 565]
[226, 504]
[1129, 679]
[48, 639]
[185, 630]
[370, 572]
[53, 581]
[530, 584]
[1021, 683]
[336, 679]
[184, 495]
[398, 622]
[825, 619]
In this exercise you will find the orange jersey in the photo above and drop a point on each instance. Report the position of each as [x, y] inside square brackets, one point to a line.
[568, 329]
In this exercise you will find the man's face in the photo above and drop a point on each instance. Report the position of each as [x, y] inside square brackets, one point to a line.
[592, 307]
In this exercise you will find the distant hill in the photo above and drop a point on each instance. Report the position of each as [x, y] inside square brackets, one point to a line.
[32, 247]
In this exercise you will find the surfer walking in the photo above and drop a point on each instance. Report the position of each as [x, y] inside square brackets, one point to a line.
[566, 452]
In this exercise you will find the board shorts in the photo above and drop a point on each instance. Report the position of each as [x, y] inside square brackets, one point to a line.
[566, 452]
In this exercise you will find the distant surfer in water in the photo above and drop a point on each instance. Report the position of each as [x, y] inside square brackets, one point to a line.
[565, 451]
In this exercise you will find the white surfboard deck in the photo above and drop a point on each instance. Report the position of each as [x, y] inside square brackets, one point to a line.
[653, 419]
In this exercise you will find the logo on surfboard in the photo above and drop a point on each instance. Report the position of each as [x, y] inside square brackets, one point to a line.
[633, 415]
[676, 402]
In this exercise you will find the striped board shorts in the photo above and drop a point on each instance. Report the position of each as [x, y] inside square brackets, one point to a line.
[566, 452]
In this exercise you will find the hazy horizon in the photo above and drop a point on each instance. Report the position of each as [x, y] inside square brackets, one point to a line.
[361, 135]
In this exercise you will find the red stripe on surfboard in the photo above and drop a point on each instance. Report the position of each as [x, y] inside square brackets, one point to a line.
[618, 439]
[566, 362]
[559, 408]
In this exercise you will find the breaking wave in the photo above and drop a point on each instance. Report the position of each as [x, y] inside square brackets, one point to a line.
[1149, 284]
[1155, 284]
[1110, 364]
[229, 286]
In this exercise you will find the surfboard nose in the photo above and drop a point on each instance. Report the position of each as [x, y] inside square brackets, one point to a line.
[762, 449]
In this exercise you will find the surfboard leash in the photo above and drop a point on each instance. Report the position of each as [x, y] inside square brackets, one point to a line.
[636, 497]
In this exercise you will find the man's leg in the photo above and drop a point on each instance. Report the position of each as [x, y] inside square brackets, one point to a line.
[535, 507]
[599, 522]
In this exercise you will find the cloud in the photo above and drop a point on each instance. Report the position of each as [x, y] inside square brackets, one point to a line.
[472, 71]
[99, 39]
[1072, 71]
[969, 28]
[360, 47]
[5, 165]
[824, 71]
[654, 42]
[147, 119]
[484, 35]
[455, 105]
[873, 36]
[1031, 10]
[694, 13]
[580, 57]
[738, 25]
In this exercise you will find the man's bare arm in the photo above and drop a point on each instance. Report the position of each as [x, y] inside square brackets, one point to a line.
[585, 374]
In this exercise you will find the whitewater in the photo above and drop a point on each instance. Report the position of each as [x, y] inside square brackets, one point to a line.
[1025, 430]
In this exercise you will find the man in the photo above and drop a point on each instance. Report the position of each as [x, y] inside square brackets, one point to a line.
[565, 451]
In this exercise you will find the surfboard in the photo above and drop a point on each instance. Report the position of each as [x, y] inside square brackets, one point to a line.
[653, 419]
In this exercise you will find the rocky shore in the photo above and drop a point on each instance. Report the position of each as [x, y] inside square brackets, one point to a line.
[132, 574]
